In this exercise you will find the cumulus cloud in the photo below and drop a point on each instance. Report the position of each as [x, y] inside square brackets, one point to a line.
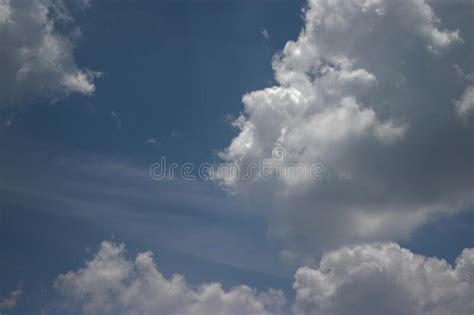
[362, 280]
[385, 279]
[111, 283]
[11, 300]
[362, 91]
[36, 54]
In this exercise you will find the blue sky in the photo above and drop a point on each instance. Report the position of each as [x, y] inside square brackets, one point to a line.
[75, 162]
[148, 52]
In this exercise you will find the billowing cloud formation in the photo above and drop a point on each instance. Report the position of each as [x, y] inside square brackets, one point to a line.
[364, 91]
[110, 283]
[362, 280]
[36, 58]
[385, 279]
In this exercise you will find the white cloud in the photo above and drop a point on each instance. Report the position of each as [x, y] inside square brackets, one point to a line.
[36, 58]
[152, 141]
[385, 279]
[111, 283]
[11, 300]
[465, 105]
[265, 33]
[339, 102]
[362, 280]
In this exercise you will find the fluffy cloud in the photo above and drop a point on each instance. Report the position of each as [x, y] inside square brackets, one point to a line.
[110, 283]
[385, 279]
[366, 279]
[11, 300]
[465, 105]
[36, 54]
[363, 91]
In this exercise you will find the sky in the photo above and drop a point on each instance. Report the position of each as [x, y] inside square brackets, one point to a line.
[372, 99]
